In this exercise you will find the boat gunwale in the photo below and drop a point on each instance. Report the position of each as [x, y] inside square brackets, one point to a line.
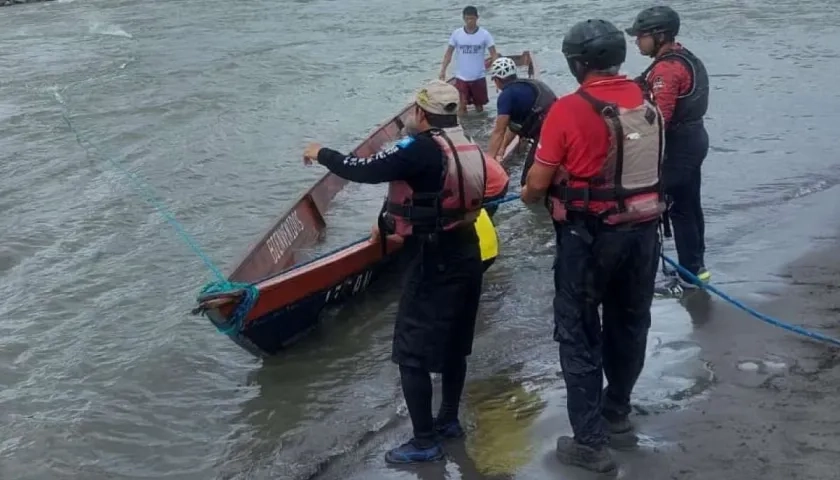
[224, 301]
[255, 247]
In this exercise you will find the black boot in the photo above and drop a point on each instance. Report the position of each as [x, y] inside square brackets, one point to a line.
[597, 460]
[617, 424]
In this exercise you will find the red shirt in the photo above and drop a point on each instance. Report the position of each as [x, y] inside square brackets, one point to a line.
[574, 136]
[669, 79]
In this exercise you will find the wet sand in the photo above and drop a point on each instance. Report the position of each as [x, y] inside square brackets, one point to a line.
[767, 410]
[773, 412]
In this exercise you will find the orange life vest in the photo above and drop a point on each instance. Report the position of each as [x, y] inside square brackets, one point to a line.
[457, 203]
[497, 178]
[630, 177]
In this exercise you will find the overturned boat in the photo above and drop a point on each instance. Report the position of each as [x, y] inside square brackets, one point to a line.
[293, 291]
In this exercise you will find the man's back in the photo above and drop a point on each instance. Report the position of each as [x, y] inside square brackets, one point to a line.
[575, 137]
[584, 135]
[516, 101]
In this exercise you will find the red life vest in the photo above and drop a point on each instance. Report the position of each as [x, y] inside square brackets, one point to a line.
[630, 177]
[457, 203]
[497, 178]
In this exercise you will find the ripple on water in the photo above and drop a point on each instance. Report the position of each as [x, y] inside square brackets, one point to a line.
[103, 373]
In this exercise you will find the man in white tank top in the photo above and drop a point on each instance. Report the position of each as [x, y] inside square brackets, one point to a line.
[471, 43]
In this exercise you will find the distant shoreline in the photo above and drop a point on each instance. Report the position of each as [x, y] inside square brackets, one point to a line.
[8, 3]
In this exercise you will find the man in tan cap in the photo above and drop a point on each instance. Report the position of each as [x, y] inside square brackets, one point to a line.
[436, 185]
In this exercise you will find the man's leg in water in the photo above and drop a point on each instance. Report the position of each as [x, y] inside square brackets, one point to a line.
[466, 297]
[697, 180]
[577, 329]
[626, 322]
[685, 195]
[529, 161]
[410, 352]
[479, 94]
[454, 375]
[424, 446]
[464, 93]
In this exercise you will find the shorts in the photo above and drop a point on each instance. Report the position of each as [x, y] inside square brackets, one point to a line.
[473, 92]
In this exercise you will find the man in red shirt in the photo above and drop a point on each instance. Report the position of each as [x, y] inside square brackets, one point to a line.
[680, 85]
[597, 163]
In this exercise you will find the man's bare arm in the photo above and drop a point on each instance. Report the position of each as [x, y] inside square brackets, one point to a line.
[447, 58]
[498, 135]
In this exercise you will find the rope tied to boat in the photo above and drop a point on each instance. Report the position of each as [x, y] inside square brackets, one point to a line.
[247, 293]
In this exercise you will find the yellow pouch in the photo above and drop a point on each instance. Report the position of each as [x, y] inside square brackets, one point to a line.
[487, 239]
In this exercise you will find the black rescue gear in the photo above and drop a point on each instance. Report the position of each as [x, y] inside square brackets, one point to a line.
[692, 106]
[545, 98]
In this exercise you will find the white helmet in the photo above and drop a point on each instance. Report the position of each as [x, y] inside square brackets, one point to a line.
[503, 67]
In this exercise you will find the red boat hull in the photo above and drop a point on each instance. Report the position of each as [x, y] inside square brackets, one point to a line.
[293, 294]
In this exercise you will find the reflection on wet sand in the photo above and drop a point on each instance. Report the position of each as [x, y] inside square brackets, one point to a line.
[500, 411]
[699, 306]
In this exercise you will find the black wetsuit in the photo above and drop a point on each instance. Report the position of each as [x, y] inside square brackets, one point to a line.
[437, 311]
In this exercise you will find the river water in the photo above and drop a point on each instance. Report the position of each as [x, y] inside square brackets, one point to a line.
[105, 375]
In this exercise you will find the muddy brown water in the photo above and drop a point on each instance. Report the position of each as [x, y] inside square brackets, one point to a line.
[104, 374]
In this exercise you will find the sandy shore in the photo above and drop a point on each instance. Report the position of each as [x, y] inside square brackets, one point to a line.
[769, 413]
[773, 413]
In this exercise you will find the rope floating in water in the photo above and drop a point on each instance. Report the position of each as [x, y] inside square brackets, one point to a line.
[222, 285]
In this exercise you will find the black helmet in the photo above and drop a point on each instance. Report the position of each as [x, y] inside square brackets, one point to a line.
[594, 45]
[659, 19]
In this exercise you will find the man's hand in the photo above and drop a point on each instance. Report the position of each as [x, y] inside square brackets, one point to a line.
[310, 153]
[374, 234]
[442, 75]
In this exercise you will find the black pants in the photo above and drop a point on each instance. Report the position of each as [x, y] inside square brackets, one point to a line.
[417, 390]
[687, 219]
[615, 267]
[529, 161]
[686, 148]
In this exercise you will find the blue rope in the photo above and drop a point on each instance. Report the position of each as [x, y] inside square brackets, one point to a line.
[755, 313]
[222, 285]
[507, 198]
[737, 303]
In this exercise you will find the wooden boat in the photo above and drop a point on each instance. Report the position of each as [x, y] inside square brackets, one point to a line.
[293, 292]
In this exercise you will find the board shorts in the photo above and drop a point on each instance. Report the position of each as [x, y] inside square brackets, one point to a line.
[473, 92]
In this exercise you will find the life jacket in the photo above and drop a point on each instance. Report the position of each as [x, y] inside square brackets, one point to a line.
[692, 106]
[531, 126]
[497, 179]
[629, 179]
[459, 200]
